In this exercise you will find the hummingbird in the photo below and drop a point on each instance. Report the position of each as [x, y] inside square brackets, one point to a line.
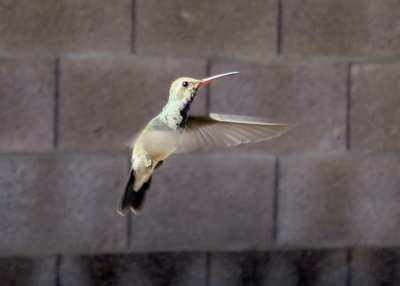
[173, 131]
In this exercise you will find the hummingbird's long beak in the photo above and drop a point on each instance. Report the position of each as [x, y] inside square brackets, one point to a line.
[206, 80]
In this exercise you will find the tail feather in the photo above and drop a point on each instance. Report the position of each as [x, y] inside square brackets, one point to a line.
[131, 200]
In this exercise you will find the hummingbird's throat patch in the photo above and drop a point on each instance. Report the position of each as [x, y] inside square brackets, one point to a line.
[185, 109]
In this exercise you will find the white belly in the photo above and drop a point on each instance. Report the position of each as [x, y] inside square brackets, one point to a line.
[160, 144]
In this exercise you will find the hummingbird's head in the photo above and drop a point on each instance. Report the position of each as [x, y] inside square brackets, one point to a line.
[185, 89]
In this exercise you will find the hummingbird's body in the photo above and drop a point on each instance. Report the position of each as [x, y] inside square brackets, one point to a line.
[153, 145]
[173, 131]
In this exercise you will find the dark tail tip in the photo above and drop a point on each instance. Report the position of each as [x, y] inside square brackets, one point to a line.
[131, 200]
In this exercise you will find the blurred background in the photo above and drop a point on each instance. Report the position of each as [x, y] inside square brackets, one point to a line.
[319, 205]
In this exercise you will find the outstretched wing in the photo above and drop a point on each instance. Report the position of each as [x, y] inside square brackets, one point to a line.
[220, 130]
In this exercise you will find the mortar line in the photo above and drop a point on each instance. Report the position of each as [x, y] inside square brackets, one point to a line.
[279, 28]
[128, 221]
[348, 106]
[207, 282]
[128, 231]
[275, 203]
[56, 102]
[208, 95]
[349, 258]
[57, 281]
[133, 26]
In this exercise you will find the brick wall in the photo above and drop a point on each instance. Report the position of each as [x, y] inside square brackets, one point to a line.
[317, 206]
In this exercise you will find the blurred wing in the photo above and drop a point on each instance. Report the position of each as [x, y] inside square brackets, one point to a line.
[227, 130]
[130, 142]
[156, 128]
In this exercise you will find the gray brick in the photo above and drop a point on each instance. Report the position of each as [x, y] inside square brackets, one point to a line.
[208, 29]
[309, 267]
[61, 203]
[286, 268]
[134, 269]
[374, 107]
[373, 267]
[358, 28]
[26, 103]
[207, 202]
[239, 268]
[104, 101]
[339, 200]
[35, 271]
[45, 26]
[313, 96]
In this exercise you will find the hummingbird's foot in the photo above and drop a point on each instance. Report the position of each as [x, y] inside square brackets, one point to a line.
[149, 163]
[159, 164]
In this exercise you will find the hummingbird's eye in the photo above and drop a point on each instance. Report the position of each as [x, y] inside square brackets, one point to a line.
[185, 84]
